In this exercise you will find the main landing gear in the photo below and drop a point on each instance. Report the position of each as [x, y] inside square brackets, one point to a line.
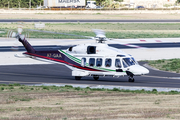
[96, 77]
[78, 77]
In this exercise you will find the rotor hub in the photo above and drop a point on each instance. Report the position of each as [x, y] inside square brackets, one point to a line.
[100, 39]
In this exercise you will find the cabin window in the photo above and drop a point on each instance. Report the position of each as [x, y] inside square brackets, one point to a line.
[91, 62]
[99, 62]
[108, 62]
[83, 62]
[118, 63]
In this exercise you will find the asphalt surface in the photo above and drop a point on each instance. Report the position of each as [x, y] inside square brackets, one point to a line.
[55, 47]
[55, 73]
[91, 21]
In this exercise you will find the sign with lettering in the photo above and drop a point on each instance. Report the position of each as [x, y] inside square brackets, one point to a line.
[68, 1]
[65, 3]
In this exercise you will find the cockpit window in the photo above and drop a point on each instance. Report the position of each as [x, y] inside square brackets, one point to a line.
[128, 62]
[134, 60]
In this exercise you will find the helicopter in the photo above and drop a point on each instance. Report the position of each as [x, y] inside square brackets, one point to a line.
[91, 59]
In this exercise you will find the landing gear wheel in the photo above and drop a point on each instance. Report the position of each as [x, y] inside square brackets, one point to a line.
[96, 77]
[130, 74]
[78, 77]
[131, 79]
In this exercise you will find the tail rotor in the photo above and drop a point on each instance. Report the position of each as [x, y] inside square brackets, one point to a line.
[20, 28]
[17, 35]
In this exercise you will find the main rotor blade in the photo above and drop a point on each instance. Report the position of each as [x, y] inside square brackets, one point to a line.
[126, 44]
[99, 33]
[59, 33]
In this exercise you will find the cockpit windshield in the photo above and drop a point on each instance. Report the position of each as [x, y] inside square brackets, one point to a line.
[128, 62]
[134, 60]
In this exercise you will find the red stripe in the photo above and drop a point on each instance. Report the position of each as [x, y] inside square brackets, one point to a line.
[143, 40]
[62, 61]
[158, 41]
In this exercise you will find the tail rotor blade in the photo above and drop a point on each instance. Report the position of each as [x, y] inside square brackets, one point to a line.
[20, 28]
[26, 35]
[15, 45]
[11, 34]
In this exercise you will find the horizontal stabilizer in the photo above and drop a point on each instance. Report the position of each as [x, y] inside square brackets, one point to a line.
[20, 56]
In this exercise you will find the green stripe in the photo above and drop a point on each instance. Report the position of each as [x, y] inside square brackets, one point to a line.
[79, 61]
[71, 57]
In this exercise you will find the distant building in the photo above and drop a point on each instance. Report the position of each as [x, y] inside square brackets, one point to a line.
[149, 3]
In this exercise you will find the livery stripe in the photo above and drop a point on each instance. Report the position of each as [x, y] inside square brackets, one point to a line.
[62, 61]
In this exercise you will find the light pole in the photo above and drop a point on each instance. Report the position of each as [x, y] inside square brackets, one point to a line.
[29, 4]
[8, 5]
[19, 5]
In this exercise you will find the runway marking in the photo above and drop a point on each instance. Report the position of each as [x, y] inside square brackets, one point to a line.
[17, 74]
[50, 76]
[26, 75]
[21, 82]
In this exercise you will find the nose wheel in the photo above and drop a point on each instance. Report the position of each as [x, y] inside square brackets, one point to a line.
[130, 74]
[131, 79]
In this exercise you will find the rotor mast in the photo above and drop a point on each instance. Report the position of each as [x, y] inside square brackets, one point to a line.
[100, 36]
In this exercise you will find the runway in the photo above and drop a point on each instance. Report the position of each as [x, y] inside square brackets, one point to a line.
[16, 70]
[55, 73]
[91, 21]
[55, 47]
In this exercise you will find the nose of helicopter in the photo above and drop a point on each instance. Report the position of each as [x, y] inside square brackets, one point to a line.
[144, 70]
[138, 70]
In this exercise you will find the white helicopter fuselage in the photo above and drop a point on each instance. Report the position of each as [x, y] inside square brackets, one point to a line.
[95, 60]
[104, 60]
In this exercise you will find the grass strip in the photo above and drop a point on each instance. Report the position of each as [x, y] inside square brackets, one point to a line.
[68, 102]
[172, 65]
[5, 88]
[113, 30]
